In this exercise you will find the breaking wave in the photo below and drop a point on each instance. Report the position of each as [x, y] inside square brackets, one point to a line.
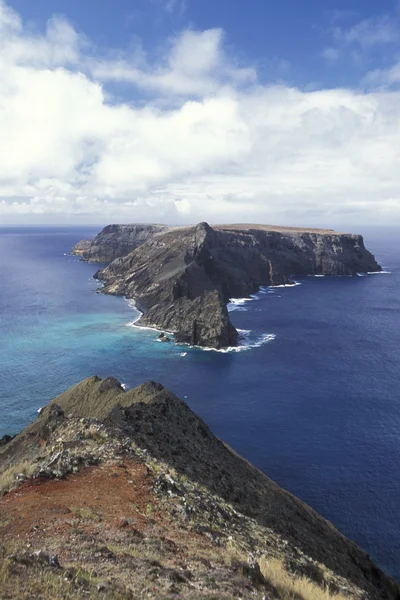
[383, 272]
[283, 285]
[238, 304]
[245, 343]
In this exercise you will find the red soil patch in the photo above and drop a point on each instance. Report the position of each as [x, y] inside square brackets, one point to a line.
[110, 493]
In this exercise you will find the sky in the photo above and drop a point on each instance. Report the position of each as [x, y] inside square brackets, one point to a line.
[180, 111]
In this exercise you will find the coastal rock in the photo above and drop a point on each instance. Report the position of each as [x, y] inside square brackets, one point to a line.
[182, 279]
[115, 241]
[163, 338]
[5, 439]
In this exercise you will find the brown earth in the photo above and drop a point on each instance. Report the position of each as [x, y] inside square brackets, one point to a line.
[112, 538]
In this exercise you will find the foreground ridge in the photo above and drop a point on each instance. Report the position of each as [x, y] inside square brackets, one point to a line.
[129, 494]
[182, 278]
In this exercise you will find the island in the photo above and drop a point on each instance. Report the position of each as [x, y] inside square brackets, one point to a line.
[128, 494]
[182, 278]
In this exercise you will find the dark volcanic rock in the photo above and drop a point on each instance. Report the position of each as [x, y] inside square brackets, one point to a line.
[114, 241]
[182, 279]
[5, 440]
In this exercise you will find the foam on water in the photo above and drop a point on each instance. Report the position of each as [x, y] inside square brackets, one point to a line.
[289, 285]
[134, 322]
[245, 340]
[244, 332]
[233, 307]
[384, 272]
[238, 304]
[244, 344]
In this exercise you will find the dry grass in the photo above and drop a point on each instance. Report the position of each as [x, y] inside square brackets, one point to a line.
[26, 580]
[291, 587]
[8, 479]
[95, 434]
[139, 551]
[85, 513]
[233, 554]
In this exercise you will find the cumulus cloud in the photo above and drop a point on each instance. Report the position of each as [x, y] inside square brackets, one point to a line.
[221, 146]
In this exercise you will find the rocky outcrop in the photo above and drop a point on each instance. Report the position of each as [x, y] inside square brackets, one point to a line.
[182, 279]
[114, 241]
[5, 439]
[218, 493]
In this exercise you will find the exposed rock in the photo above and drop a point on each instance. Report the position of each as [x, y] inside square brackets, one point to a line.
[163, 338]
[182, 279]
[42, 556]
[115, 241]
[5, 439]
[253, 571]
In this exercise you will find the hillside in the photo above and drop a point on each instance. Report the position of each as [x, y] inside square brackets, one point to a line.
[129, 494]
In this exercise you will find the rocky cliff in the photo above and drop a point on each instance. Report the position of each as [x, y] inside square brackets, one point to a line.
[182, 279]
[115, 494]
[114, 241]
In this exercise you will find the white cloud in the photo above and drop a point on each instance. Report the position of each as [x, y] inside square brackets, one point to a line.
[371, 32]
[363, 39]
[178, 6]
[195, 64]
[216, 149]
[383, 78]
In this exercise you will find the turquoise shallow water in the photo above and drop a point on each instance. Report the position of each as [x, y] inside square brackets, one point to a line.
[316, 407]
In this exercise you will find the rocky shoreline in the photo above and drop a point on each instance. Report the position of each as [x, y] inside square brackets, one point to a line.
[181, 278]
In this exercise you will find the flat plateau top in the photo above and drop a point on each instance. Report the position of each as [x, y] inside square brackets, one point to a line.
[283, 229]
[249, 226]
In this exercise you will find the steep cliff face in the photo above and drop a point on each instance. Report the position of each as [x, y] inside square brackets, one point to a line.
[114, 241]
[162, 472]
[182, 279]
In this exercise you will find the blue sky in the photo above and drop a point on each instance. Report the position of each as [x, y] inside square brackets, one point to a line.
[185, 110]
[285, 40]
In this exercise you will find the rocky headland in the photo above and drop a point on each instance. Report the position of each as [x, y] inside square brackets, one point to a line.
[182, 278]
[128, 494]
[115, 241]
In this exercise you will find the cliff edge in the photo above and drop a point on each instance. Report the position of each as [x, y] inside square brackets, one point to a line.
[115, 241]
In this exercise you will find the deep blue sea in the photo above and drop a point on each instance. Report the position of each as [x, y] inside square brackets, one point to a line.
[314, 403]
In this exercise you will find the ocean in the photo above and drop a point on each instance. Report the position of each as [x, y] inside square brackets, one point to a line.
[312, 398]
